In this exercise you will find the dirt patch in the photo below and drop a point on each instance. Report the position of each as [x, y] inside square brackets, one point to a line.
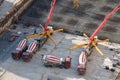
[64, 10]
[110, 29]
[113, 1]
[118, 77]
[66, 29]
[115, 19]
[102, 37]
[91, 25]
[94, 0]
[87, 5]
[42, 6]
[84, 7]
[78, 33]
[57, 18]
[98, 16]
[72, 21]
[80, 14]
[106, 9]
[35, 13]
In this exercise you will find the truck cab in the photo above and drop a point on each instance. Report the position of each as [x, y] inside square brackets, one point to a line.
[81, 69]
[27, 56]
[16, 54]
[22, 46]
[67, 62]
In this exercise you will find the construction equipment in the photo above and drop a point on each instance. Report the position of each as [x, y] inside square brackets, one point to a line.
[112, 64]
[52, 61]
[27, 55]
[116, 59]
[82, 63]
[22, 46]
[32, 49]
[94, 41]
[47, 30]
[75, 3]
[108, 64]
[26, 52]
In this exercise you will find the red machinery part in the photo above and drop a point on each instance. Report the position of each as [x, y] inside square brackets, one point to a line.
[67, 62]
[104, 21]
[50, 14]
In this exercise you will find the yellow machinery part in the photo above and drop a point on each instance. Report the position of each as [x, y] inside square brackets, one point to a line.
[51, 38]
[58, 30]
[75, 3]
[78, 46]
[33, 36]
[101, 53]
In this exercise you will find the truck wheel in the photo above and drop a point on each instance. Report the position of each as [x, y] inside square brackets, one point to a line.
[106, 67]
[45, 65]
[112, 70]
[15, 58]
[65, 67]
[61, 66]
[114, 65]
[31, 56]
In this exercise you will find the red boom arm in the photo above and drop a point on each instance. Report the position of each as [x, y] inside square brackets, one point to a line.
[50, 14]
[104, 21]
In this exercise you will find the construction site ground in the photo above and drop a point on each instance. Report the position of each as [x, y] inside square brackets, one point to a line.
[72, 20]
[35, 70]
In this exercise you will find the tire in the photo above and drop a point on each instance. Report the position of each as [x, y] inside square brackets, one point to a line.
[114, 65]
[112, 70]
[106, 67]
[61, 66]
[31, 56]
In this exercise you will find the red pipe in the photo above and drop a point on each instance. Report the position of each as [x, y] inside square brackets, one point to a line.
[50, 14]
[104, 21]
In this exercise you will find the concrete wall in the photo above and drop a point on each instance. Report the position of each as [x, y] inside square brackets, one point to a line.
[10, 11]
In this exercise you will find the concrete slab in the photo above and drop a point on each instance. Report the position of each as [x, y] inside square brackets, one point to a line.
[2, 71]
[51, 77]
